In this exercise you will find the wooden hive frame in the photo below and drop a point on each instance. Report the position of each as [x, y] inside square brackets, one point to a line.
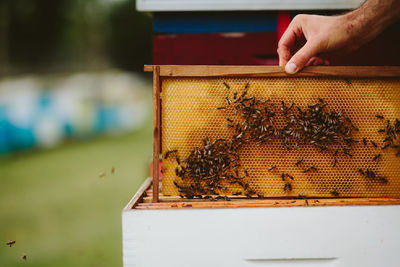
[164, 71]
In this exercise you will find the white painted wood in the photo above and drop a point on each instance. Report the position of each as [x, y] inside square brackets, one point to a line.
[230, 5]
[365, 236]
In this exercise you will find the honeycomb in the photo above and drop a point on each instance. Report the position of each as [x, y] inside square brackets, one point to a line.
[189, 113]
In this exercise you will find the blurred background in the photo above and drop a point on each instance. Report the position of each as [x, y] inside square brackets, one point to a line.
[75, 127]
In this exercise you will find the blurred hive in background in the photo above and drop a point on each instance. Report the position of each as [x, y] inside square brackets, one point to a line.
[43, 110]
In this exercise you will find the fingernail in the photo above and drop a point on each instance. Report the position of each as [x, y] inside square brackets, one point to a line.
[291, 67]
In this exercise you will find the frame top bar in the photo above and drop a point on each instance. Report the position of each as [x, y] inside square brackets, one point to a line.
[274, 71]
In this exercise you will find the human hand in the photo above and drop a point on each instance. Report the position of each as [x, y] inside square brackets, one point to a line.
[310, 36]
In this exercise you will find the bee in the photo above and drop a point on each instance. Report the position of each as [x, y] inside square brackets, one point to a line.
[306, 170]
[236, 193]
[381, 130]
[385, 146]
[246, 172]
[178, 160]
[365, 142]
[374, 144]
[334, 162]
[227, 85]
[221, 108]
[302, 196]
[299, 161]
[228, 101]
[229, 120]
[235, 95]
[335, 193]
[347, 81]
[347, 153]
[287, 187]
[312, 167]
[283, 176]
[379, 116]
[321, 100]
[361, 171]
[382, 179]
[246, 185]
[273, 167]
[113, 170]
[24, 257]
[336, 152]
[169, 152]
[290, 176]
[247, 85]
[10, 243]
[376, 157]
[102, 174]
[260, 195]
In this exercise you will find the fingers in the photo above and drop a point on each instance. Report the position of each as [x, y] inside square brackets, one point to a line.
[286, 44]
[300, 59]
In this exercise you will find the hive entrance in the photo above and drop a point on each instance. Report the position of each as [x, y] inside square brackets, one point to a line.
[189, 113]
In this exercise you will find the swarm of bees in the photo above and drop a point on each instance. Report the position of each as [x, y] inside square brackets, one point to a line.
[215, 166]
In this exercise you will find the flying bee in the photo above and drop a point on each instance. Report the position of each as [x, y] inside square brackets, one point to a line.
[113, 170]
[10, 243]
[102, 174]
[24, 257]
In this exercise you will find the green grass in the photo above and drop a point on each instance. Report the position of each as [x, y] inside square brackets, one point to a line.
[59, 211]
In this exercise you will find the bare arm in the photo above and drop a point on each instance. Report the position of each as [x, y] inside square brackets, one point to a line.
[310, 35]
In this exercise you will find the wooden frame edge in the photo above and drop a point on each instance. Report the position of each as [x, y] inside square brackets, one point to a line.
[156, 131]
[269, 203]
[273, 71]
[139, 195]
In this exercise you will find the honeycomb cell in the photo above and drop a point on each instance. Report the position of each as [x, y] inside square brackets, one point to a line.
[189, 113]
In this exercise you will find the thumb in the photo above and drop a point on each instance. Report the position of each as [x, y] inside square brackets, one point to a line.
[300, 59]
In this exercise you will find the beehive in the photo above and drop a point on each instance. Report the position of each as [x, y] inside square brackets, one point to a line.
[190, 96]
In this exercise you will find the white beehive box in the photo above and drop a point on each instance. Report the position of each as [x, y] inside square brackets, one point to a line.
[263, 236]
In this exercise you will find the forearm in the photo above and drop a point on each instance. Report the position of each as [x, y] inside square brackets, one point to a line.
[371, 18]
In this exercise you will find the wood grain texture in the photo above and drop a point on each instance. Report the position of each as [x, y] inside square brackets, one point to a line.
[143, 201]
[275, 71]
[248, 203]
[156, 131]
